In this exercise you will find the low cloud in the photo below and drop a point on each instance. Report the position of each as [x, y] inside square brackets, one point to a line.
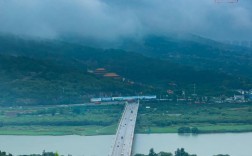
[110, 19]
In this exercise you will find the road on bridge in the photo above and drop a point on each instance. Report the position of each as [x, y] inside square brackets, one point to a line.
[125, 133]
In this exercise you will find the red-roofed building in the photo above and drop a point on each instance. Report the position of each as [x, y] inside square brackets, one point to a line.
[112, 75]
[100, 71]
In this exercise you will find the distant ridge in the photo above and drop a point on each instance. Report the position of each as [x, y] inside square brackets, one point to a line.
[53, 72]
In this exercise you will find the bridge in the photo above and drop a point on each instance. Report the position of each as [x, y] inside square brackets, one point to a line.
[125, 133]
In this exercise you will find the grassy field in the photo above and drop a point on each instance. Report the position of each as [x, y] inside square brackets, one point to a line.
[103, 119]
[207, 118]
[79, 120]
[58, 130]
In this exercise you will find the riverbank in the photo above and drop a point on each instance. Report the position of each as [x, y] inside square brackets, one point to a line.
[110, 130]
[58, 130]
[222, 128]
[162, 117]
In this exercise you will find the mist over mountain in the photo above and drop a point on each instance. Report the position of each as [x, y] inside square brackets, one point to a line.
[150, 43]
[112, 19]
[182, 48]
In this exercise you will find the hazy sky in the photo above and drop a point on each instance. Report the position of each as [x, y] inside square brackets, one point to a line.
[109, 19]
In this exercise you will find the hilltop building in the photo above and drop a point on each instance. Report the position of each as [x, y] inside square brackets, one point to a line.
[100, 71]
[112, 75]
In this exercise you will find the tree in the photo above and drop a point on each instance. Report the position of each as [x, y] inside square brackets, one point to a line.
[195, 130]
[53, 112]
[1, 124]
[152, 152]
[182, 152]
[5, 154]
[184, 130]
[77, 110]
[164, 154]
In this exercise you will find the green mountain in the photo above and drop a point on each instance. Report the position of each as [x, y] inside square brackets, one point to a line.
[197, 52]
[26, 81]
[55, 72]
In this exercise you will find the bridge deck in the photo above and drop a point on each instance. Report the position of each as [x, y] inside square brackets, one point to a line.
[125, 132]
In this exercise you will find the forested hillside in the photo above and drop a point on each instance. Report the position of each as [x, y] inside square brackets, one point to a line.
[30, 81]
[51, 71]
[195, 51]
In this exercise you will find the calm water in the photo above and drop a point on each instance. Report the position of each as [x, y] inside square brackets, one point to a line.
[202, 145]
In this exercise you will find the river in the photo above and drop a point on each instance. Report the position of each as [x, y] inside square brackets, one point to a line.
[235, 144]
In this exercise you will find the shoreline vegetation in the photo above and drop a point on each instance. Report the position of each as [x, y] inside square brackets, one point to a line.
[153, 117]
[178, 152]
[110, 130]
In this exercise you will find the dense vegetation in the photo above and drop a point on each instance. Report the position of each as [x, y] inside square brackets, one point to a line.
[194, 118]
[52, 72]
[81, 120]
[30, 81]
[2, 153]
[178, 152]
[43, 154]
[195, 51]
[163, 117]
